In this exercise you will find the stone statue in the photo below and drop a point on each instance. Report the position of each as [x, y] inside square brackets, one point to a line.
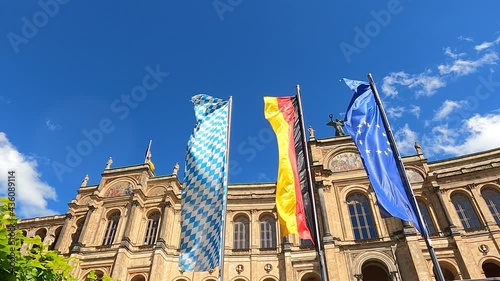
[176, 168]
[339, 128]
[108, 164]
[85, 180]
[418, 148]
[311, 132]
[338, 125]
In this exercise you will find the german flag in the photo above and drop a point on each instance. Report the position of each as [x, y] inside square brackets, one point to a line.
[293, 200]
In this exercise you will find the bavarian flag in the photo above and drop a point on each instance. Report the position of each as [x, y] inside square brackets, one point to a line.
[293, 200]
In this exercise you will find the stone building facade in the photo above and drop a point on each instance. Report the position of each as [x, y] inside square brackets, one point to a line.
[128, 225]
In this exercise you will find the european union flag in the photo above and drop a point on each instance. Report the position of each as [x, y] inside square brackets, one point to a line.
[205, 186]
[364, 124]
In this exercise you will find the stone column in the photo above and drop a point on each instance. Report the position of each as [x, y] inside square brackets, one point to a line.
[79, 244]
[451, 227]
[160, 241]
[60, 239]
[126, 236]
[327, 236]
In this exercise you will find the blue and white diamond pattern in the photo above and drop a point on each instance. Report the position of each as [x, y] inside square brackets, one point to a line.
[204, 186]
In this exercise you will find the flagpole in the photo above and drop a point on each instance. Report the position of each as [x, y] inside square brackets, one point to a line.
[148, 151]
[319, 245]
[224, 204]
[404, 178]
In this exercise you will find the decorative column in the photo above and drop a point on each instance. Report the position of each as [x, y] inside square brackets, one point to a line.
[78, 245]
[160, 241]
[126, 236]
[62, 235]
[327, 236]
[451, 227]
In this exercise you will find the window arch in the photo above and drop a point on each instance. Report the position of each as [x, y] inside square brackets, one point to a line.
[111, 228]
[465, 211]
[98, 274]
[57, 233]
[152, 229]
[267, 232]
[362, 221]
[492, 198]
[426, 216]
[241, 233]
[42, 232]
[138, 278]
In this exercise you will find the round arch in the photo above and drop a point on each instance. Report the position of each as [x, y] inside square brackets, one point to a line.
[450, 270]
[491, 267]
[181, 278]
[99, 272]
[117, 187]
[138, 277]
[349, 190]
[268, 214]
[210, 278]
[310, 276]
[157, 190]
[112, 211]
[373, 256]
[240, 278]
[42, 232]
[269, 278]
[374, 270]
[489, 185]
[240, 215]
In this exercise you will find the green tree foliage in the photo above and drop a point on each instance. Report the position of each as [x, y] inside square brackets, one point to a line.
[38, 264]
[93, 277]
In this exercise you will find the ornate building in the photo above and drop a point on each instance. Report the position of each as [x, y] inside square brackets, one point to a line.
[128, 225]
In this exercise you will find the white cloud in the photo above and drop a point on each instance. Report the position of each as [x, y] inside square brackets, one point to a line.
[51, 125]
[31, 192]
[464, 38]
[451, 54]
[446, 108]
[462, 67]
[485, 45]
[395, 112]
[405, 140]
[424, 83]
[415, 110]
[478, 133]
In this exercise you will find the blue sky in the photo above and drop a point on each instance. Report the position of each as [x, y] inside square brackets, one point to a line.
[68, 70]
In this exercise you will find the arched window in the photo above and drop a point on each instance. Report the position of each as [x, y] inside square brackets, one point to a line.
[152, 230]
[427, 218]
[267, 232]
[374, 271]
[361, 217]
[57, 233]
[491, 269]
[465, 211]
[138, 278]
[98, 275]
[111, 228]
[241, 233]
[42, 232]
[492, 198]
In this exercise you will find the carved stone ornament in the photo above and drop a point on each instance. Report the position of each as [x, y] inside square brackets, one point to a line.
[268, 267]
[240, 268]
[484, 249]
[211, 271]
